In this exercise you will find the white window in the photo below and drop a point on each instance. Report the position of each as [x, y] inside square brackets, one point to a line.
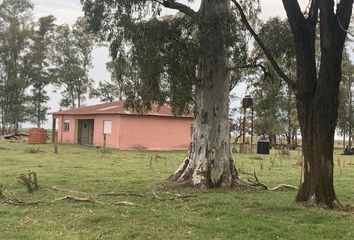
[66, 125]
[107, 126]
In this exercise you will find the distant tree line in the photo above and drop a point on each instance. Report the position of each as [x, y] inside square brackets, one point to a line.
[35, 54]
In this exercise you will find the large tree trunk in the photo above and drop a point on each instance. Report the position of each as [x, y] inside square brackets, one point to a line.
[317, 122]
[317, 95]
[209, 162]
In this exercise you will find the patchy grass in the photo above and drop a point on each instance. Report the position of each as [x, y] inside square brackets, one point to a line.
[215, 214]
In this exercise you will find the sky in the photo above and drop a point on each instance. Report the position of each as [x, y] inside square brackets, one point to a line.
[66, 11]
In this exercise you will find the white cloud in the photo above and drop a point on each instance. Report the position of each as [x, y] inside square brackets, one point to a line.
[65, 11]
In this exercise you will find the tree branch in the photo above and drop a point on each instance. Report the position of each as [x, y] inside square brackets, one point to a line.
[313, 14]
[295, 17]
[264, 48]
[344, 12]
[172, 4]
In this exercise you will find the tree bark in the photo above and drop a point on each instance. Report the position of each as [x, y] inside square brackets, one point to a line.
[318, 96]
[209, 162]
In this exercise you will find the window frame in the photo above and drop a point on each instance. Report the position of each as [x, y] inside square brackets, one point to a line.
[66, 125]
[106, 128]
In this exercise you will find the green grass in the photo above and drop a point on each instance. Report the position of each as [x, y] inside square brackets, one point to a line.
[214, 214]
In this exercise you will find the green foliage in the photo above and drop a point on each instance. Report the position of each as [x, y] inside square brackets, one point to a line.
[214, 214]
[15, 67]
[72, 60]
[165, 50]
[41, 64]
[345, 109]
[275, 102]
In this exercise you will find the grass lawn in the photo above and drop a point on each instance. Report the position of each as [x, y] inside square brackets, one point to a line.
[214, 214]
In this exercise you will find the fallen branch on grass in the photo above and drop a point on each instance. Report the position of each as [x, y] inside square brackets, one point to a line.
[125, 203]
[57, 189]
[120, 194]
[18, 202]
[283, 186]
[78, 199]
[256, 183]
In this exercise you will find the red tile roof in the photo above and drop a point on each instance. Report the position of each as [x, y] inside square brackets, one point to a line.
[117, 107]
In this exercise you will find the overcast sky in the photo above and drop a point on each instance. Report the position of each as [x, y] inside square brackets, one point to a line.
[66, 11]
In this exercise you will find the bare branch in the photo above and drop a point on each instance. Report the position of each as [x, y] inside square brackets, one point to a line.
[345, 30]
[264, 48]
[172, 4]
[344, 12]
[256, 65]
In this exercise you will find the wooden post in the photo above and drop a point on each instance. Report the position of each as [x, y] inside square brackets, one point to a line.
[252, 131]
[104, 142]
[56, 142]
[54, 125]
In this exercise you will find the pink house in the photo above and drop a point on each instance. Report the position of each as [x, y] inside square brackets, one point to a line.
[157, 129]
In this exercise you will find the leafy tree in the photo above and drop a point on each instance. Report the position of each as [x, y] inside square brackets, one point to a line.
[316, 91]
[40, 76]
[185, 61]
[275, 102]
[15, 31]
[72, 60]
[345, 109]
[122, 73]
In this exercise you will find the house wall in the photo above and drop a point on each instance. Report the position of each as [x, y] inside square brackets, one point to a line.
[132, 131]
[71, 135]
[154, 132]
[112, 140]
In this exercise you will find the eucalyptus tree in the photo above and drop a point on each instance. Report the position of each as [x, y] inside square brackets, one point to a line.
[122, 73]
[316, 88]
[274, 101]
[41, 64]
[345, 111]
[15, 31]
[185, 61]
[72, 60]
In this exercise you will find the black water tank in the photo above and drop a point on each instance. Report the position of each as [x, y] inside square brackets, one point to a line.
[263, 146]
[247, 102]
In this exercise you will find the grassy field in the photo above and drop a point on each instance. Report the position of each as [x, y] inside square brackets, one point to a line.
[214, 214]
